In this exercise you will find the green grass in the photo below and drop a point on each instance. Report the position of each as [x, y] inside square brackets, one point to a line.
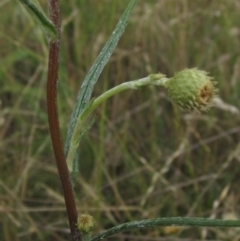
[143, 158]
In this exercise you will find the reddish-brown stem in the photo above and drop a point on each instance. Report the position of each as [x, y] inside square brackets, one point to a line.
[54, 123]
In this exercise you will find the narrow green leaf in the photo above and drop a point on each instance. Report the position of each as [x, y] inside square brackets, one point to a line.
[95, 71]
[171, 221]
[46, 25]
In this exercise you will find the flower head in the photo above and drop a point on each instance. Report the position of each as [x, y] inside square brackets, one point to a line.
[192, 90]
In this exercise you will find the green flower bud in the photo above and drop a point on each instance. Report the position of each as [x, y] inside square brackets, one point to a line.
[85, 223]
[192, 90]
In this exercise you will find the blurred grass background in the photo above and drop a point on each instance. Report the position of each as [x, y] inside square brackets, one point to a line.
[143, 158]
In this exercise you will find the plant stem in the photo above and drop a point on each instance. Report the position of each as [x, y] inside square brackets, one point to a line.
[154, 79]
[87, 236]
[172, 221]
[54, 123]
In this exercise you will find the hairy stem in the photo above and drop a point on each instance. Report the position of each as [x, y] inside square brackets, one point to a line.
[154, 79]
[54, 123]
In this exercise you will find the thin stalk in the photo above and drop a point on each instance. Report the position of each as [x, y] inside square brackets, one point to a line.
[172, 221]
[53, 66]
[154, 79]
